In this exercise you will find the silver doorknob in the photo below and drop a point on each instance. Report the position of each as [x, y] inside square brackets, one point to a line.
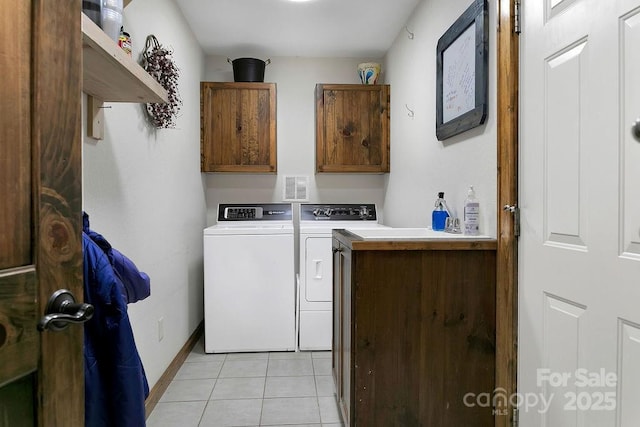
[62, 309]
[635, 129]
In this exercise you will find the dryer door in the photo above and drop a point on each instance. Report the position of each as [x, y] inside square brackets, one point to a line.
[318, 269]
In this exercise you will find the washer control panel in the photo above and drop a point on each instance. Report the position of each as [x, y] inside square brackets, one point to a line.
[338, 212]
[255, 212]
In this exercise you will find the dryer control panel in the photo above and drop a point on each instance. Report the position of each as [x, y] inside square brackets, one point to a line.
[338, 212]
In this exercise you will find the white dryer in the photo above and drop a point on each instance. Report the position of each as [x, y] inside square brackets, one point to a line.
[249, 279]
[317, 221]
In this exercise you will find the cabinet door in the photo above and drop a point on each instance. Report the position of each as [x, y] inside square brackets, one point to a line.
[352, 128]
[238, 127]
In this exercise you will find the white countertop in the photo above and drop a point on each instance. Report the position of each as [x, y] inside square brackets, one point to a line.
[400, 233]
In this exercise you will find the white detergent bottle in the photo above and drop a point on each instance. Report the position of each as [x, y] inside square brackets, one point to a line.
[471, 214]
[111, 18]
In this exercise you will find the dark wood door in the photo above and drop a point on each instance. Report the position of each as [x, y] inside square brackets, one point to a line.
[41, 373]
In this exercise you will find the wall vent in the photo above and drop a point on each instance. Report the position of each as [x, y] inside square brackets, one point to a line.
[295, 189]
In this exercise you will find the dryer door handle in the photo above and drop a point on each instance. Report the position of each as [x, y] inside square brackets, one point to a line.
[318, 263]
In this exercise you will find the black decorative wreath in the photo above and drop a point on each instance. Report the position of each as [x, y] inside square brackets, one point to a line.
[158, 62]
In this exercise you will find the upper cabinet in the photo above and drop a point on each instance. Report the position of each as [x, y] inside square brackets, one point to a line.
[109, 74]
[238, 127]
[352, 128]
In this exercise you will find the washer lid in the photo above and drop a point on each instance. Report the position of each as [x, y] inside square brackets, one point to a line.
[249, 229]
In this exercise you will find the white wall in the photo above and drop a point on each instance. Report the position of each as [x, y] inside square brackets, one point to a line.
[295, 80]
[420, 164]
[144, 192]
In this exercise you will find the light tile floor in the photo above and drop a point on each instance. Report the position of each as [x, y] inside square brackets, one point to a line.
[250, 389]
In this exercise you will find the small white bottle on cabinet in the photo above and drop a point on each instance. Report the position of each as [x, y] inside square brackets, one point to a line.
[471, 214]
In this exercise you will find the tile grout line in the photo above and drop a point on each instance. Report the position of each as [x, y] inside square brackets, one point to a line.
[315, 382]
[264, 390]
[211, 394]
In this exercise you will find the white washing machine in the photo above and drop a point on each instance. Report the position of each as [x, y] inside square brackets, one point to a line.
[317, 221]
[249, 279]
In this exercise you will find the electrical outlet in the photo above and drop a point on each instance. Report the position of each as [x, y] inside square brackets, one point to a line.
[161, 329]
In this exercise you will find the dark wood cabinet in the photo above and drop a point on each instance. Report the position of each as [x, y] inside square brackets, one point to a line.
[341, 346]
[238, 127]
[414, 331]
[352, 128]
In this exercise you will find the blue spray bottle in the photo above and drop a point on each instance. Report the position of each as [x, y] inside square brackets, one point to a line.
[440, 213]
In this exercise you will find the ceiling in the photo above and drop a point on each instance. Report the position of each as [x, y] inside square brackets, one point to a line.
[313, 28]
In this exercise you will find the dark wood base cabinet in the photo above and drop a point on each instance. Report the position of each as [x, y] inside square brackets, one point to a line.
[414, 331]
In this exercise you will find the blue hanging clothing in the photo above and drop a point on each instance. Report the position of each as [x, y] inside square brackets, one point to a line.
[115, 382]
[136, 284]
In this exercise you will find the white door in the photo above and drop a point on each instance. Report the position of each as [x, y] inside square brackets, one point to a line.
[579, 251]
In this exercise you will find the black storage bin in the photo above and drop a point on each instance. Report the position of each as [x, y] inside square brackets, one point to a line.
[248, 69]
